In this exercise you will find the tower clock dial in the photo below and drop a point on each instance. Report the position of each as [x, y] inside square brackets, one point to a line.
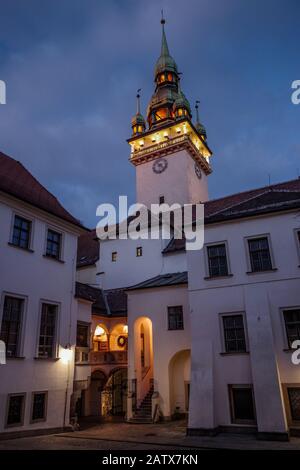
[198, 171]
[160, 165]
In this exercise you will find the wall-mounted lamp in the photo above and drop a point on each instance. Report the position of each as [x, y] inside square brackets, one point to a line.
[66, 354]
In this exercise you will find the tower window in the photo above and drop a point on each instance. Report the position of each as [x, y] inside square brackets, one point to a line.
[114, 256]
[139, 251]
[161, 199]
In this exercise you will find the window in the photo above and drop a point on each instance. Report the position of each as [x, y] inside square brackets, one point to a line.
[21, 232]
[15, 411]
[259, 252]
[53, 249]
[11, 324]
[294, 401]
[114, 256]
[217, 260]
[175, 318]
[234, 334]
[47, 331]
[139, 251]
[292, 325]
[242, 404]
[82, 338]
[39, 406]
[161, 199]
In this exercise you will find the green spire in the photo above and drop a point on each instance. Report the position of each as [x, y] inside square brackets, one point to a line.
[164, 44]
[165, 62]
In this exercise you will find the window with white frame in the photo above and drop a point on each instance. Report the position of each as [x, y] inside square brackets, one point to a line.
[217, 260]
[292, 324]
[47, 336]
[242, 404]
[39, 406]
[21, 233]
[259, 254]
[15, 409]
[53, 245]
[234, 333]
[13, 308]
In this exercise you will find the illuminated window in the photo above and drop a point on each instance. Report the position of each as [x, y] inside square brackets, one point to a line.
[161, 114]
[114, 256]
[140, 128]
[170, 77]
[180, 112]
[139, 251]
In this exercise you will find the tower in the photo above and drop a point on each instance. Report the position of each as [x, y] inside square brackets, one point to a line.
[171, 155]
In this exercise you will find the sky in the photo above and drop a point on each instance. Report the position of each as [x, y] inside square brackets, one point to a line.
[72, 68]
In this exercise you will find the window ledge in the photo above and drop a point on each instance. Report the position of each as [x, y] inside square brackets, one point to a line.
[54, 259]
[37, 358]
[9, 358]
[29, 250]
[209, 278]
[262, 272]
[237, 353]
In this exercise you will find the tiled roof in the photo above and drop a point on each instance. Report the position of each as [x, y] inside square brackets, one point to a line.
[106, 303]
[163, 280]
[268, 199]
[117, 301]
[18, 182]
[92, 294]
[88, 249]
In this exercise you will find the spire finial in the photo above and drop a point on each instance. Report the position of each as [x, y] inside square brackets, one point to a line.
[197, 110]
[164, 44]
[138, 96]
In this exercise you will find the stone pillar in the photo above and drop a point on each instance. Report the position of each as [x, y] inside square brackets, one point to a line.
[271, 420]
[201, 409]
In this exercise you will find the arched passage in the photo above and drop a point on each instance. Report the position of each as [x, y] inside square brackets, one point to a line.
[143, 356]
[179, 380]
[98, 381]
[114, 395]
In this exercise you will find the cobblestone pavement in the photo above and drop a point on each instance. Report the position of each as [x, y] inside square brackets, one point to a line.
[120, 435]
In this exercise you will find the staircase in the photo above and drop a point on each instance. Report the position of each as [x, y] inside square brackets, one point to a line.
[143, 414]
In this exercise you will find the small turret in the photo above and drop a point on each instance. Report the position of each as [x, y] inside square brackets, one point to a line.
[200, 128]
[138, 122]
[181, 105]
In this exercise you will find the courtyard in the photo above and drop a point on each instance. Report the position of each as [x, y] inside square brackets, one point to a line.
[124, 436]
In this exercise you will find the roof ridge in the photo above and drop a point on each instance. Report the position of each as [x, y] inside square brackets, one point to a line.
[238, 203]
[250, 190]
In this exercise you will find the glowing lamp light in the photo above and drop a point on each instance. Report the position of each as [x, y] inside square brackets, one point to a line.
[178, 130]
[141, 143]
[66, 354]
[125, 329]
[99, 331]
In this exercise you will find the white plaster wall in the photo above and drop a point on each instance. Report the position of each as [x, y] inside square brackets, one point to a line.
[130, 269]
[36, 277]
[87, 275]
[261, 296]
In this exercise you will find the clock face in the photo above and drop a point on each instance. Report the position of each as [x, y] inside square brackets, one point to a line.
[198, 171]
[160, 165]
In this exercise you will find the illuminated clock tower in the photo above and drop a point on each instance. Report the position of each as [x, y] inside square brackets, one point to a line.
[170, 154]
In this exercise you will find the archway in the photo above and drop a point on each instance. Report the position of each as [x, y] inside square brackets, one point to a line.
[98, 381]
[143, 358]
[114, 395]
[179, 382]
